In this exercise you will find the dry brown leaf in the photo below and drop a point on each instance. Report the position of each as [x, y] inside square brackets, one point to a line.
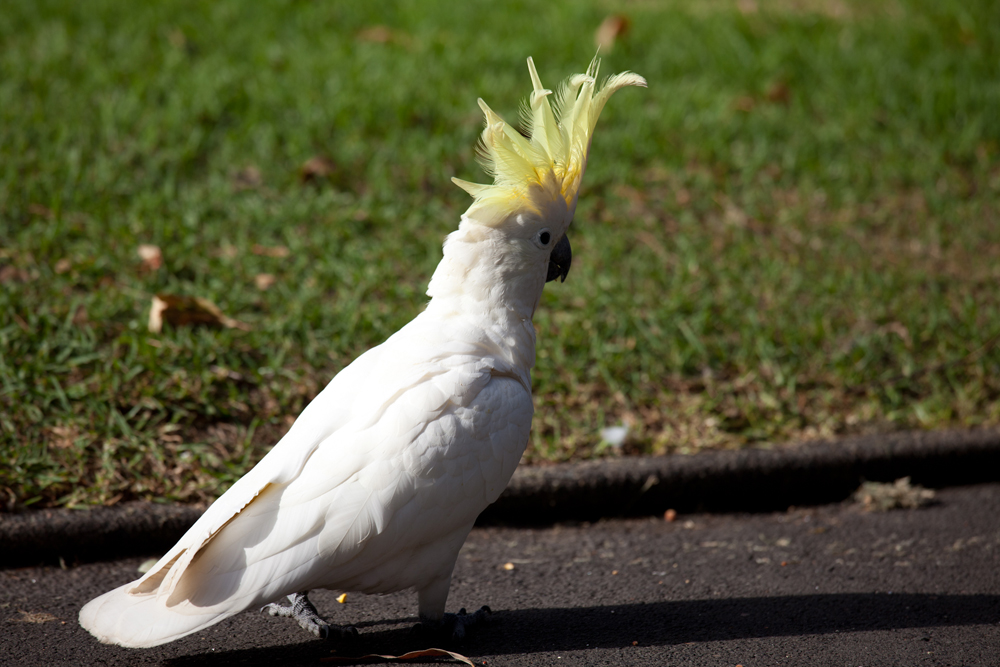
[900, 330]
[167, 434]
[264, 280]
[151, 256]
[39, 617]
[177, 38]
[8, 500]
[882, 496]
[744, 103]
[21, 323]
[80, 317]
[316, 168]
[778, 93]
[188, 310]
[248, 178]
[63, 265]
[40, 210]
[377, 33]
[270, 251]
[63, 437]
[10, 273]
[611, 29]
[412, 655]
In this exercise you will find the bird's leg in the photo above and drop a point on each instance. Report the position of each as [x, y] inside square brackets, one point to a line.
[454, 626]
[305, 614]
[433, 620]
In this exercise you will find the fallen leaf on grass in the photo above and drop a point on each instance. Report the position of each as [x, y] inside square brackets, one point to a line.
[40, 210]
[8, 501]
[778, 93]
[316, 168]
[63, 265]
[412, 655]
[611, 29]
[21, 323]
[248, 178]
[10, 273]
[151, 256]
[381, 34]
[64, 436]
[264, 280]
[278, 251]
[744, 103]
[167, 434]
[375, 33]
[177, 38]
[188, 310]
[882, 496]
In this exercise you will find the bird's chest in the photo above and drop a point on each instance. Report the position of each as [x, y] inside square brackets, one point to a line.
[469, 452]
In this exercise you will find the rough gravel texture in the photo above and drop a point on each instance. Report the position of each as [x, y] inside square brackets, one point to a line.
[831, 585]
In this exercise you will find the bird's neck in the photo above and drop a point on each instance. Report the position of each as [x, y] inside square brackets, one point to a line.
[478, 283]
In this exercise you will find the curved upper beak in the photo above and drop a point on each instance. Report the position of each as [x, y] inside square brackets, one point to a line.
[559, 260]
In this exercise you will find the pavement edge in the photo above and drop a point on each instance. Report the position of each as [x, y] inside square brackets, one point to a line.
[742, 480]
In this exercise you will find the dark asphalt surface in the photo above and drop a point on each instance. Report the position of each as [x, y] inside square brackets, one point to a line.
[831, 585]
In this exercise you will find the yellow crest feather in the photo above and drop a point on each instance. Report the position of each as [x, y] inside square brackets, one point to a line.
[555, 156]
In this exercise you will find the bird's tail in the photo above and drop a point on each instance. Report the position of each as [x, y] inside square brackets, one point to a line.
[143, 620]
[211, 575]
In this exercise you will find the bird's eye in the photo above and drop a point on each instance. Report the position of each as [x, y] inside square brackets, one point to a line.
[544, 237]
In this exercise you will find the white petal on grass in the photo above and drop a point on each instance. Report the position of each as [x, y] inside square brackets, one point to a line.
[614, 435]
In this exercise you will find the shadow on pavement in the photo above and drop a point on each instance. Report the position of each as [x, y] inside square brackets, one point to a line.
[657, 624]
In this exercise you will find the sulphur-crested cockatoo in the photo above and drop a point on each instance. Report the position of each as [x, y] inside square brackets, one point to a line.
[379, 481]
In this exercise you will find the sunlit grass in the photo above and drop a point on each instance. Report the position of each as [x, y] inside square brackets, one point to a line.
[792, 233]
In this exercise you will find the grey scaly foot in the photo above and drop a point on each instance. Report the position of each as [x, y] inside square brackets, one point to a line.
[454, 626]
[305, 614]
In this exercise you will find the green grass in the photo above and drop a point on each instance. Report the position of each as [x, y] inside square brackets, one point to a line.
[792, 233]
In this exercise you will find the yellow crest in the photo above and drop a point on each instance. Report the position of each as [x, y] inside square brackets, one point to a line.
[555, 156]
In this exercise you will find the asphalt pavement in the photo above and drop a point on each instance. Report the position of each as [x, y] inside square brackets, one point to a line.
[827, 585]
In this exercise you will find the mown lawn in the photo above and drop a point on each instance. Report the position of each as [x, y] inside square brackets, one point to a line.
[793, 233]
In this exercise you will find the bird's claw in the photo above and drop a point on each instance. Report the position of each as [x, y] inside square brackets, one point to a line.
[454, 626]
[305, 614]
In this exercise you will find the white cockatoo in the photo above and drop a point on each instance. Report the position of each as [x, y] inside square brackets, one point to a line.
[377, 484]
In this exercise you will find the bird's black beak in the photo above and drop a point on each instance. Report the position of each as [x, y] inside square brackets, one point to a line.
[559, 261]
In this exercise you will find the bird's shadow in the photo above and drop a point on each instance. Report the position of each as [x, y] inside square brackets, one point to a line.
[656, 624]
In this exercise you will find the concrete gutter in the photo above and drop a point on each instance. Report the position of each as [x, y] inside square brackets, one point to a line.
[742, 481]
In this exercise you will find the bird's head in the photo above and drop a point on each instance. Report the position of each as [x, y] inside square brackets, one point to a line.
[537, 173]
